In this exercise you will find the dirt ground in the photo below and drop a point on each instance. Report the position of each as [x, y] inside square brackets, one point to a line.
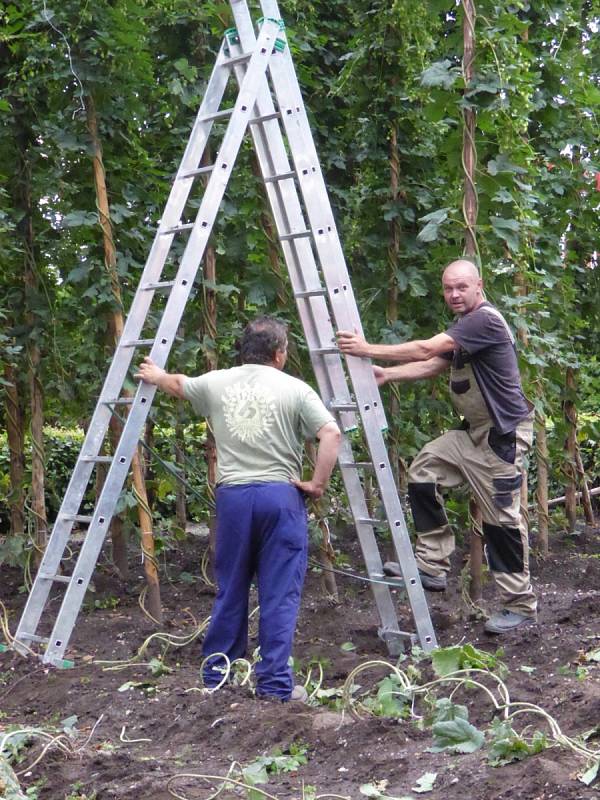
[128, 741]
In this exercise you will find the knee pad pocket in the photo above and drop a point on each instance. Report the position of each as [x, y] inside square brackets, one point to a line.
[428, 513]
[504, 548]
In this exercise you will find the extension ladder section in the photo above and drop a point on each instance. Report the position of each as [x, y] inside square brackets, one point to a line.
[274, 113]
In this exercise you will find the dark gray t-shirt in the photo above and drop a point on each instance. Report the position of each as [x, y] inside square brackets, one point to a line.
[487, 344]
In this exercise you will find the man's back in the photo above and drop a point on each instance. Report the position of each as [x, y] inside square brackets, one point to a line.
[260, 418]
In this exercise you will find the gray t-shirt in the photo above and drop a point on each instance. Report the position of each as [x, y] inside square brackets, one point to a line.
[260, 418]
[487, 344]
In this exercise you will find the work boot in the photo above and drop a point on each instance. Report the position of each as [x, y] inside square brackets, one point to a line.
[299, 695]
[433, 583]
[505, 621]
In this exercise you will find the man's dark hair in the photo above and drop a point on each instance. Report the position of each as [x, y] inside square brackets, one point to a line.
[261, 339]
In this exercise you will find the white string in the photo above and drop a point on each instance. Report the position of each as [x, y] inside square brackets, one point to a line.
[46, 16]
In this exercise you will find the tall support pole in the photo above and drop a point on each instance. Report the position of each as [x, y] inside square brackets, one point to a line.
[469, 209]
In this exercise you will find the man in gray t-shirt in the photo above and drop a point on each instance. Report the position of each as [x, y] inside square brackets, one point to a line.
[260, 418]
[488, 450]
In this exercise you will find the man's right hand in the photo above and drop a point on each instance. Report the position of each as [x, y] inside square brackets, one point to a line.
[352, 344]
[380, 374]
[149, 372]
[312, 489]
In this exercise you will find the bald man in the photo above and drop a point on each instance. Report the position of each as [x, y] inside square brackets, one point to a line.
[486, 452]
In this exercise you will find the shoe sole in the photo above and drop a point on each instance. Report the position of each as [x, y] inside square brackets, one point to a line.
[500, 631]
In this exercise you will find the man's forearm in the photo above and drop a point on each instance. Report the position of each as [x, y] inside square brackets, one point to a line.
[354, 344]
[416, 370]
[329, 445]
[404, 353]
[171, 384]
[150, 372]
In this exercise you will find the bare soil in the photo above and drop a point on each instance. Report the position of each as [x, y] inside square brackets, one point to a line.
[182, 731]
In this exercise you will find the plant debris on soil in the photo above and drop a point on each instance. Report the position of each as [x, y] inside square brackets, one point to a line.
[126, 733]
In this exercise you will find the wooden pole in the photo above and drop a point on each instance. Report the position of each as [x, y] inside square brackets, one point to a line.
[16, 445]
[570, 412]
[152, 601]
[541, 494]
[470, 209]
[34, 358]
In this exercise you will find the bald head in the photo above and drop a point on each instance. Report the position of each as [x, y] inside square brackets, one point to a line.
[462, 268]
[463, 287]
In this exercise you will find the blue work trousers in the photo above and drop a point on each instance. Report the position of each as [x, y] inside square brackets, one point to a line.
[261, 530]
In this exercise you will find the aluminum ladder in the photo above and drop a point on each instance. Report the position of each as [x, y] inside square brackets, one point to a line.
[270, 105]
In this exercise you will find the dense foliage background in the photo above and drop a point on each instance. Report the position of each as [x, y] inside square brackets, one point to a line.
[386, 92]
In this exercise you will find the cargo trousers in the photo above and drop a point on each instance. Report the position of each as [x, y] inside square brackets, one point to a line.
[491, 464]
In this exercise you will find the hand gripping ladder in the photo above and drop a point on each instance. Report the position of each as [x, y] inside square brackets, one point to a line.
[250, 59]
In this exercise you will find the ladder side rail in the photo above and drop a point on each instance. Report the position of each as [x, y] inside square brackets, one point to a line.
[288, 216]
[115, 377]
[165, 336]
[399, 531]
[367, 539]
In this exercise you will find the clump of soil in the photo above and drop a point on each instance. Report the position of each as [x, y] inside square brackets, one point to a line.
[145, 728]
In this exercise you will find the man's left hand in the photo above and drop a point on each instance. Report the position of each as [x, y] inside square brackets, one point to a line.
[352, 344]
[310, 488]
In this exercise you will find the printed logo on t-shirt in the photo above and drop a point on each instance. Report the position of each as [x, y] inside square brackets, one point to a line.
[248, 410]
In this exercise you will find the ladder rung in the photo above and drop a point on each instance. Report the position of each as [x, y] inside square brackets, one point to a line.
[138, 343]
[265, 118]
[283, 176]
[357, 464]
[324, 351]
[200, 171]
[121, 401]
[371, 521]
[286, 237]
[381, 576]
[311, 293]
[234, 60]
[227, 112]
[98, 459]
[58, 578]
[178, 228]
[33, 637]
[150, 287]
[340, 405]
[78, 518]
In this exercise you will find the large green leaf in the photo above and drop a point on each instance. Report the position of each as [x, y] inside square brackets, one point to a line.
[456, 735]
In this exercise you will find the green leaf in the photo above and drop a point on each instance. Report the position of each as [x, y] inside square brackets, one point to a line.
[506, 229]
[348, 647]
[445, 710]
[507, 745]
[590, 775]
[425, 782]
[430, 232]
[446, 660]
[440, 73]
[255, 773]
[502, 164]
[456, 735]
[593, 655]
[390, 700]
